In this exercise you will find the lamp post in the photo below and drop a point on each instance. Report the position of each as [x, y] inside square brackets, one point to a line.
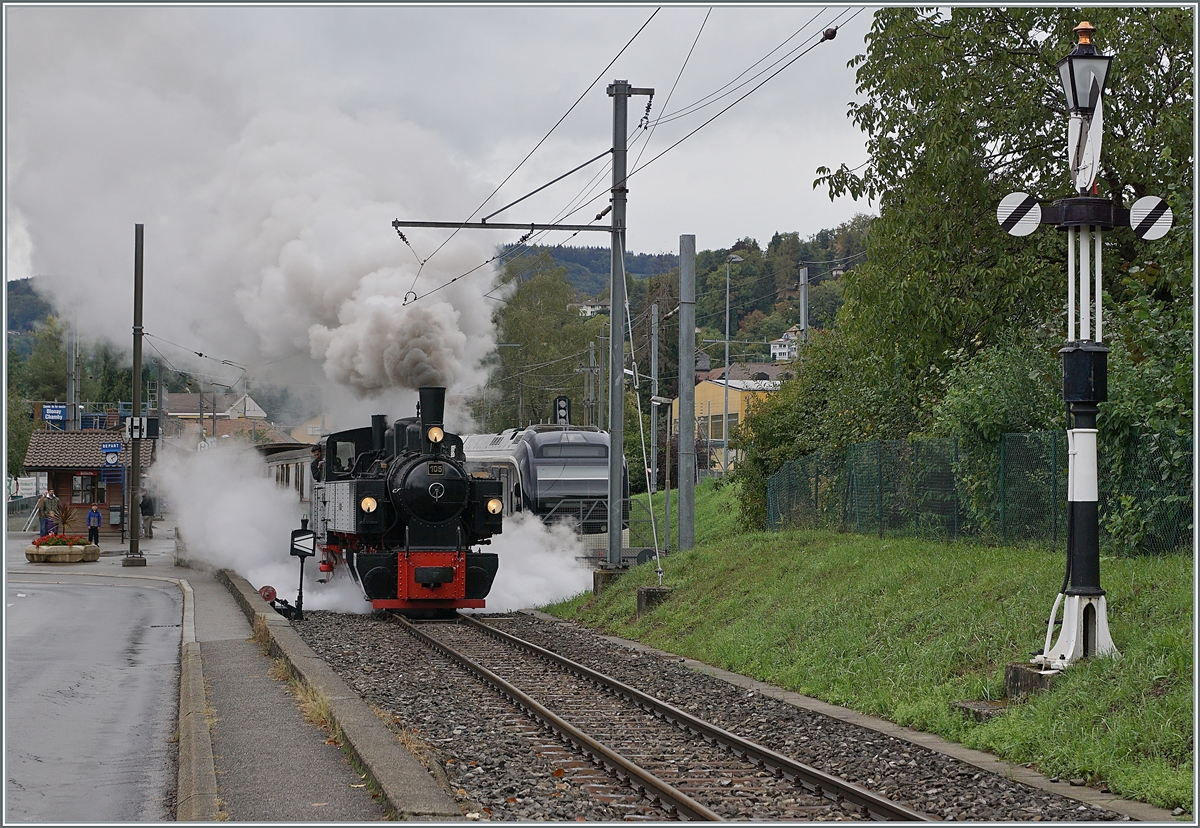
[1084, 629]
[1084, 217]
[733, 257]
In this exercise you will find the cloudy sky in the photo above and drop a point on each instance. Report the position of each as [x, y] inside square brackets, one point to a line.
[268, 149]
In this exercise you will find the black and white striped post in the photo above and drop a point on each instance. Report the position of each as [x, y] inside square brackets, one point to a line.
[1084, 217]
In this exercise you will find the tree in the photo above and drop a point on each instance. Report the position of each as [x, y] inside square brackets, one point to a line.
[545, 342]
[46, 368]
[962, 108]
[19, 429]
[959, 108]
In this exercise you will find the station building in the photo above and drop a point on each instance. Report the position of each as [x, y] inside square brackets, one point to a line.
[78, 472]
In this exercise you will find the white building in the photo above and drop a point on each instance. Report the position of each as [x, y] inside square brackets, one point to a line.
[784, 348]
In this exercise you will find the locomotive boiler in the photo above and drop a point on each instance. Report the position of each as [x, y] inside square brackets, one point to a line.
[394, 509]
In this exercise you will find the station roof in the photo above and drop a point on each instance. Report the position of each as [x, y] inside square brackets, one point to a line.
[54, 450]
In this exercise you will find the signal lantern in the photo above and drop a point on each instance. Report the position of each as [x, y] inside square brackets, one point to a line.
[562, 410]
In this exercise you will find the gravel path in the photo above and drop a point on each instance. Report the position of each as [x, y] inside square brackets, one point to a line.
[497, 772]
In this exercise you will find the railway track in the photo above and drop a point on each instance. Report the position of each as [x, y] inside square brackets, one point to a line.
[675, 763]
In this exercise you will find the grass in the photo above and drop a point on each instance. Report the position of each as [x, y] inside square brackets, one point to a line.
[900, 628]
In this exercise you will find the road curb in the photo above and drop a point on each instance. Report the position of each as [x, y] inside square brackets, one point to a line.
[406, 784]
[197, 780]
[984, 761]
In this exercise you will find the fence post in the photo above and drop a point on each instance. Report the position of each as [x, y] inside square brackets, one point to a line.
[954, 482]
[1003, 532]
[879, 472]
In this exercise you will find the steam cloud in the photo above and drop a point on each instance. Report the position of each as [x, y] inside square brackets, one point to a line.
[267, 212]
[537, 565]
[231, 516]
[389, 345]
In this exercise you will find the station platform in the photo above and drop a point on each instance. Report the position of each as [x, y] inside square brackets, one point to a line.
[246, 751]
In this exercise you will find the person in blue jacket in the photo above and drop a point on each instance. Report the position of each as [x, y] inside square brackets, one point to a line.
[93, 524]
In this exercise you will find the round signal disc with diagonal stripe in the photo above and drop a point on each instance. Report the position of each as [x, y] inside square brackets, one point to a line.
[1019, 214]
[1150, 218]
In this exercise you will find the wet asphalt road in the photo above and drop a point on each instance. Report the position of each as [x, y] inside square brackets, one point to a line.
[92, 698]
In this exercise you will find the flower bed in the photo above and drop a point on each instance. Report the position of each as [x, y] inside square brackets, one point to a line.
[61, 549]
[60, 540]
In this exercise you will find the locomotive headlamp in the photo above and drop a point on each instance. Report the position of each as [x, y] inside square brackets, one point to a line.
[368, 504]
[435, 434]
[495, 506]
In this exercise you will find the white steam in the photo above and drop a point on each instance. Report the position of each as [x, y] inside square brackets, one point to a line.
[233, 517]
[537, 564]
[383, 344]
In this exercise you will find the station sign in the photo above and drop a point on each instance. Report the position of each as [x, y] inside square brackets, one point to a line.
[54, 413]
[110, 448]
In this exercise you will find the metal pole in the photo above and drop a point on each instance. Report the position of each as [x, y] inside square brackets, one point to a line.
[725, 420]
[654, 392]
[600, 383]
[135, 557]
[619, 91]
[687, 391]
[804, 304]
[72, 423]
[667, 490]
[592, 369]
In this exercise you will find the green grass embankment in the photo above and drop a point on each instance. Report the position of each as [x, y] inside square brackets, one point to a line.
[900, 628]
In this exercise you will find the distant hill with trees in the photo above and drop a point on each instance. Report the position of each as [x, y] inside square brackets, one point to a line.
[588, 268]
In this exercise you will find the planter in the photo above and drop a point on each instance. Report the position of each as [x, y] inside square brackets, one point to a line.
[62, 554]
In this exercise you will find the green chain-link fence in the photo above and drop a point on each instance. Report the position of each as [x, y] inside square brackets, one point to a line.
[1013, 492]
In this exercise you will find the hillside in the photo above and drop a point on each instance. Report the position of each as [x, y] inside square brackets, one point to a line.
[911, 626]
[589, 268]
[25, 307]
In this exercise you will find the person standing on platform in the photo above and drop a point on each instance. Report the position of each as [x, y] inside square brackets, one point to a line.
[146, 506]
[47, 510]
[93, 524]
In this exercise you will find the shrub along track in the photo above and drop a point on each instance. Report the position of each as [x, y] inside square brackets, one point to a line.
[505, 766]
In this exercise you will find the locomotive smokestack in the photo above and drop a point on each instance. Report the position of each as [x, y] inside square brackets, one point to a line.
[379, 424]
[433, 405]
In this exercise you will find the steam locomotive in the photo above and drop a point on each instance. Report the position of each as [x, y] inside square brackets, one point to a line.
[395, 508]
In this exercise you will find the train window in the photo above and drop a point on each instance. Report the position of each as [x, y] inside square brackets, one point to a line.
[572, 450]
[343, 457]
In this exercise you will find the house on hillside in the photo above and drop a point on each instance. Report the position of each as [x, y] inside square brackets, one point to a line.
[591, 308]
[784, 348]
[224, 406]
[310, 430]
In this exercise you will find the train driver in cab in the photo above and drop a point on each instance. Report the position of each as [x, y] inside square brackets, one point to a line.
[318, 462]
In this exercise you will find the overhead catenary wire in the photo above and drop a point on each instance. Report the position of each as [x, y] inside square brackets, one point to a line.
[539, 143]
[825, 36]
[725, 90]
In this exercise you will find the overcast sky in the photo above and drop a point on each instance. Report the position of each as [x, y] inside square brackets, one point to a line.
[268, 149]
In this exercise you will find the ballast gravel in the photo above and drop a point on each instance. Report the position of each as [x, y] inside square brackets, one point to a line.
[485, 756]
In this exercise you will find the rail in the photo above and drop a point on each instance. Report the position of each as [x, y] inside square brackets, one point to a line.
[813, 780]
[652, 785]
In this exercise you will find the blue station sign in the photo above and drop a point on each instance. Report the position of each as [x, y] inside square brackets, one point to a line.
[110, 448]
[54, 413]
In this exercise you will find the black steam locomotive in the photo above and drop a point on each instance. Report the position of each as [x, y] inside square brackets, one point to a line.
[396, 510]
